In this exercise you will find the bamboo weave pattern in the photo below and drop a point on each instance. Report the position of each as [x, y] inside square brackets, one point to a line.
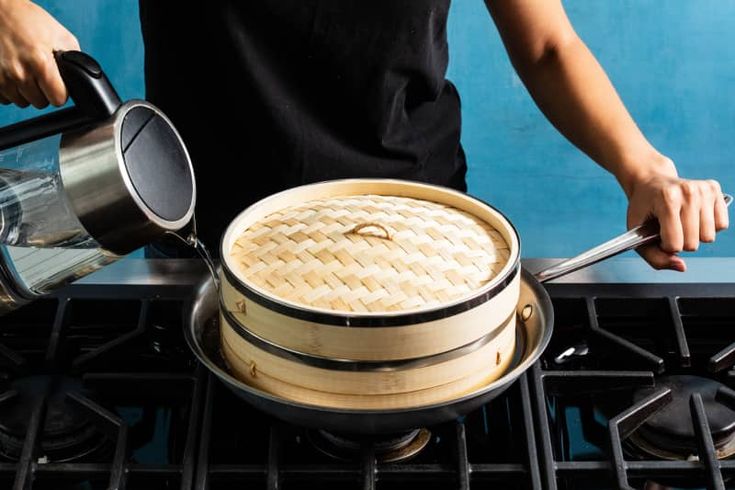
[370, 253]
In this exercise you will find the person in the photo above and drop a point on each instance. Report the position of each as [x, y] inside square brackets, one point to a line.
[270, 94]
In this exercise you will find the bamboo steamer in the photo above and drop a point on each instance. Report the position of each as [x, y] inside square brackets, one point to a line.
[434, 382]
[422, 330]
[349, 377]
[369, 271]
[370, 343]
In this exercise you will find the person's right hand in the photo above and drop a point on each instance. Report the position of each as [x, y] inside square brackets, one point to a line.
[28, 38]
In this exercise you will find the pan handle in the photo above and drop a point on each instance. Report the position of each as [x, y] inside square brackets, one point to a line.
[641, 235]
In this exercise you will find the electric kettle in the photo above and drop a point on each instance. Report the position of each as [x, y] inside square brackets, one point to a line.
[83, 186]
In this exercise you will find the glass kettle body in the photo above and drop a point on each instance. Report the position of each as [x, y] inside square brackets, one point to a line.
[82, 187]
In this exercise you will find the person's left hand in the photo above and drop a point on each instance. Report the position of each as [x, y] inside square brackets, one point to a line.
[689, 212]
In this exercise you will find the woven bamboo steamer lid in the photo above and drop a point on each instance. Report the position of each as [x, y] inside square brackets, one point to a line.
[368, 390]
[360, 280]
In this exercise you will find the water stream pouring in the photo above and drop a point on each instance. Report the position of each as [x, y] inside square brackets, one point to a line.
[192, 240]
[83, 186]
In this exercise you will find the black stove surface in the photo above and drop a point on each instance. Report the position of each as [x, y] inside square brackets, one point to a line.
[98, 390]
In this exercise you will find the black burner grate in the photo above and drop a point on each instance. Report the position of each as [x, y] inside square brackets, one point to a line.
[606, 347]
[165, 423]
[238, 450]
[140, 394]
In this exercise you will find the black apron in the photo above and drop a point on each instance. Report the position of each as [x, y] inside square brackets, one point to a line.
[271, 94]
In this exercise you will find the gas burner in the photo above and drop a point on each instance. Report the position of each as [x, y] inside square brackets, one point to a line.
[388, 448]
[669, 433]
[66, 434]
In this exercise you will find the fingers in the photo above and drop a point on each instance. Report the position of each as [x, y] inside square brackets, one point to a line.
[668, 213]
[18, 87]
[49, 79]
[722, 220]
[30, 91]
[707, 218]
[659, 259]
[50, 82]
[690, 216]
[70, 42]
[690, 212]
[37, 82]
[10, 92]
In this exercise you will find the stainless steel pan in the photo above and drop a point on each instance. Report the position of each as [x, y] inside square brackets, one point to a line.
[535, 325]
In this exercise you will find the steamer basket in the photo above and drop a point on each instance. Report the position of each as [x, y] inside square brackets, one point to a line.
[370, 270]
[355, 385]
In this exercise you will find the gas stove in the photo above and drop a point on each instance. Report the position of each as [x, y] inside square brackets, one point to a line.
[98, 389]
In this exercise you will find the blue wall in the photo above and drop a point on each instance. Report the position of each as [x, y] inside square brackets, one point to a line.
[672, 61]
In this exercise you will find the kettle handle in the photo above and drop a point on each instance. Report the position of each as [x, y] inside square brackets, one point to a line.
[94, 100]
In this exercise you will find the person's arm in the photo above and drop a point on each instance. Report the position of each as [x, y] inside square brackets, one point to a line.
[28, 38]
[571, 89]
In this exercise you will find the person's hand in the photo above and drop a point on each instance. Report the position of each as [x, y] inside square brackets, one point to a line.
[28, 71]
[689, 212]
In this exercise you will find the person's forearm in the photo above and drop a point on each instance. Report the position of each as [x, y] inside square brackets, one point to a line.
[574, 93]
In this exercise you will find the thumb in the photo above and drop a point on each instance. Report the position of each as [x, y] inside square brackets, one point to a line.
[653, 254]
[660, 259]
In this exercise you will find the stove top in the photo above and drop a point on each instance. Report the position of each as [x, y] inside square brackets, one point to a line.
[99, 390]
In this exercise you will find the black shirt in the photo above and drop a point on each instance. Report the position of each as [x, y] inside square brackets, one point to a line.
[271, 94]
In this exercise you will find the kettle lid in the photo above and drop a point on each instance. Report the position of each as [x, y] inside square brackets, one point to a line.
[156, 163]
